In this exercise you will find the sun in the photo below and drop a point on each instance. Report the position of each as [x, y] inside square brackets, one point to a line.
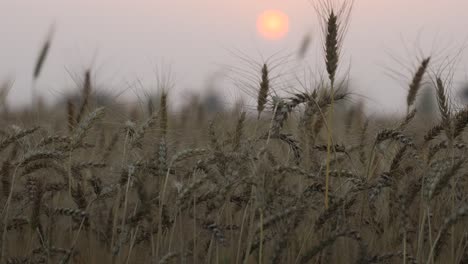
[273, 24]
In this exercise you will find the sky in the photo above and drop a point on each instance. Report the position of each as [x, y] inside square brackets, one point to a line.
[127, 43]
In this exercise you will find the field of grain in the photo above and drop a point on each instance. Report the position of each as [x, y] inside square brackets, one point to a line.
[306, 177]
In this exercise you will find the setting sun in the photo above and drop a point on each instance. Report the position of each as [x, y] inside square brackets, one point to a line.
[273, 24]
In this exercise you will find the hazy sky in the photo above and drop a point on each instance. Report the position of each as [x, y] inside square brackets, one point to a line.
[124, 41]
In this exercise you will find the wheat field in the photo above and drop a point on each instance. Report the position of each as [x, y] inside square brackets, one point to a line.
[303, 178]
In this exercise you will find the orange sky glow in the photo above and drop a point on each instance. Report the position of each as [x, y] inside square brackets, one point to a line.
[273, 24]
